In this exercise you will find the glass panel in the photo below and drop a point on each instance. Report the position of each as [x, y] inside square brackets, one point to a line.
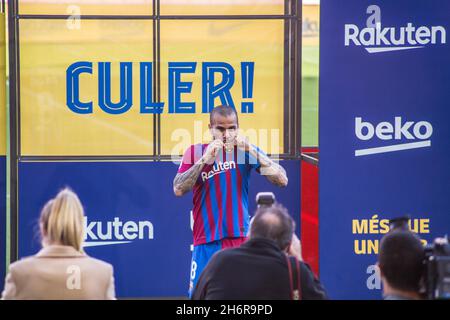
[48, 50]
[310, 75]
[227, 44]
[222, 7]
[86, 7]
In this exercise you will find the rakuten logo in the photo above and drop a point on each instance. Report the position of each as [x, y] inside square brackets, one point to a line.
[398, 130]
[376, 38]
[102, 233]
[218, 168]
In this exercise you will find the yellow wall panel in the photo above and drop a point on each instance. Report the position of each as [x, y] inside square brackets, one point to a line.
[235, 41]
[49, 47]
[144, 7]
[222, 7]
[87, 7]
[48, 126]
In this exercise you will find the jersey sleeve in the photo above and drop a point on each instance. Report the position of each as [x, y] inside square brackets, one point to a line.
[190, 157]
[252, 161]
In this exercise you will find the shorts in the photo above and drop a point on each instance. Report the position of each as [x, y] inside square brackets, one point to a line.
[203, 252]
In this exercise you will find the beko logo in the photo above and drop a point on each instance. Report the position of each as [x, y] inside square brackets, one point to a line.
[102, 233]
[418, 133]
[375, 38]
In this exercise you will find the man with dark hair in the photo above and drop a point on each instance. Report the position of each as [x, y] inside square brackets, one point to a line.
[260, 268]
[219, 173]
[401, 265]
[222, 111]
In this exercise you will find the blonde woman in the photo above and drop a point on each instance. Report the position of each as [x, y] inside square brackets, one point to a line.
[61, 270]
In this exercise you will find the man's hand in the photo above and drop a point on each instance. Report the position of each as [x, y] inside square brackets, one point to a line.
[242, 143]
[212, 150]
[296, 248]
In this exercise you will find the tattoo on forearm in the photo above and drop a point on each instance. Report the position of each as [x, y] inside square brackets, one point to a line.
[185, 181]
[274, 172]
[280, 177]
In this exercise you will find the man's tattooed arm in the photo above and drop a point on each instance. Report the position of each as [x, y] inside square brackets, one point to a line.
[274, 172]
[184, 182]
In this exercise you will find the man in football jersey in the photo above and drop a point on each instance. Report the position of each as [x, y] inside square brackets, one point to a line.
[218, 173]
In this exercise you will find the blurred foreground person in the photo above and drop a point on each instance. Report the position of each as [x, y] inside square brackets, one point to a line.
[61, 270]
[401, 265]
[261, 267]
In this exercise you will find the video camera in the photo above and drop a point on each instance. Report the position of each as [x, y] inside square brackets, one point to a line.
[436, 278]
[265, 199]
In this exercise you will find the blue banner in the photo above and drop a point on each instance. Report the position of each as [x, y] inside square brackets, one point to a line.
[134, 221]
[384, 132]
[3, 242]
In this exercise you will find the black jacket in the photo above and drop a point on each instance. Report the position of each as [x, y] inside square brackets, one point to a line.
[255, 270]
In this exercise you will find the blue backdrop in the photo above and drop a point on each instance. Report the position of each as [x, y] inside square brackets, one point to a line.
[137, 192]
[376, 97]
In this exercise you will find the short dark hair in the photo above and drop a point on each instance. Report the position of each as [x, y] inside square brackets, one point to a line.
[224, 111]
[401, 258]
[273, 223]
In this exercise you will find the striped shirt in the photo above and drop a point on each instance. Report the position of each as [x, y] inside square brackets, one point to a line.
[220, 193]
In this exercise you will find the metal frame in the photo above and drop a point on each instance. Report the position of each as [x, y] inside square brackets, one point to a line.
[13, 125]
[291, 87]
[311, 157]
[158, 75]
[155, 78]
[297, 78]
[294, 79]
[157, 17]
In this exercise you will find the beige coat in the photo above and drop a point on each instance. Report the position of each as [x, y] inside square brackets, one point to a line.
[59, 272]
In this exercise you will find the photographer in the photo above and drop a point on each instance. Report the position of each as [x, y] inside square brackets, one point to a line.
[401, 265]
[260, 268]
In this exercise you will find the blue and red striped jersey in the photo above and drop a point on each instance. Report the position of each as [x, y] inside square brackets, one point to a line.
[220, 193]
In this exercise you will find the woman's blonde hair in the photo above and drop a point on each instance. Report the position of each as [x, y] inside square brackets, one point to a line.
[62, 220]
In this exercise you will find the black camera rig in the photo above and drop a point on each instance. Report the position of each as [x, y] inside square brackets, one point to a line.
[436, 278]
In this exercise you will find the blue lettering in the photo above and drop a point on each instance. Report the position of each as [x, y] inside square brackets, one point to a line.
[221, 90]
[247, 72]
[147, 104]
[104, 86]
[73, 87]
[222, 72]
[177, 87]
